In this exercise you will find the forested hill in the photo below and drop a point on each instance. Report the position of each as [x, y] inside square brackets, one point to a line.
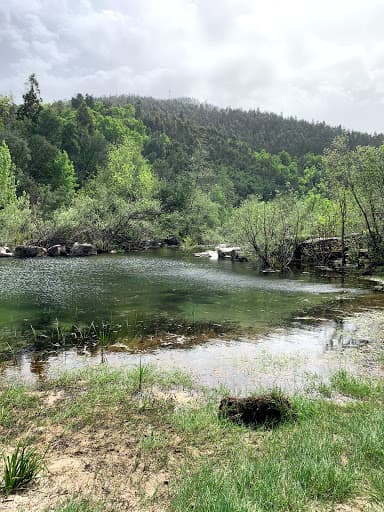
[120, 170]
[186, 120]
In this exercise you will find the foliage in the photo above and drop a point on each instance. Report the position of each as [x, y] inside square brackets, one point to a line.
[367, 188]
[104, 170]
[31, 107]
[271, 229]
[7, 178]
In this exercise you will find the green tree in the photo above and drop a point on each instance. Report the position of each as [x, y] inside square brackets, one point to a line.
[7, 178]
[128, 173]
[32, 104]
[367, 187]
[337, 164]
[271, 228]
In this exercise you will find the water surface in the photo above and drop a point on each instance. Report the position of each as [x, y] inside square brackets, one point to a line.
[39, 292]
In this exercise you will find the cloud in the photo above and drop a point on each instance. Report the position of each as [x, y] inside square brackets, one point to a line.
[321, 61]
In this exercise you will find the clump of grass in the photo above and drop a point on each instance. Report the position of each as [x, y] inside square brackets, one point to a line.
[142, 371]
[20, 468]
[78, 505]
[325, 390]
[355, 387]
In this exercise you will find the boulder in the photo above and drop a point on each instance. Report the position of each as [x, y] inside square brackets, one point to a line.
[5, 252]
[83, 250]
[29, 251]
[57, 250]
[256, 410]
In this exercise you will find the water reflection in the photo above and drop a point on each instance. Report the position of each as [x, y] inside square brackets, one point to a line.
[284, 358]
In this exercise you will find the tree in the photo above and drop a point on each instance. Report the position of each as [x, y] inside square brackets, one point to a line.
[127, 172]
[7, 178]
[32, 105]
[337, 165]
[270, 228]
[367, 188]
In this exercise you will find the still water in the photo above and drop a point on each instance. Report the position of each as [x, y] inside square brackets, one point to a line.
[37, 294]
[40, 292]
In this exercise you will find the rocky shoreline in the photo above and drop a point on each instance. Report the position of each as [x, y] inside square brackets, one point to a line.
[58, 250]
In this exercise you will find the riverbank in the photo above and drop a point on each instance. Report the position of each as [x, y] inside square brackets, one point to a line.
[151, 440]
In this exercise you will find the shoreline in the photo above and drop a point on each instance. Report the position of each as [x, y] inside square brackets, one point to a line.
[121, 439]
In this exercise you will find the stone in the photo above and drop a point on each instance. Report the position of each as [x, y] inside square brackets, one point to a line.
[5, 252]
[57, 250]
[29, 251]
[83, 250]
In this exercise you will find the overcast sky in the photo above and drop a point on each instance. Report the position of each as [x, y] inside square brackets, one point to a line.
[310, 59]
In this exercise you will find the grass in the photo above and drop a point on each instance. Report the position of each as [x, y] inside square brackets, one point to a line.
[78, 505]
[331, 454]
[21, 468]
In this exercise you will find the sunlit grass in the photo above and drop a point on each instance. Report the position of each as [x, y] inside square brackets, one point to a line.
[331, 454]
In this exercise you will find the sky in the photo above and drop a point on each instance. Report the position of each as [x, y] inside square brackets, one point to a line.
[321, 61]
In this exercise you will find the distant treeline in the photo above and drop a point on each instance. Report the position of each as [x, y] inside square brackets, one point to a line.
[119, 170]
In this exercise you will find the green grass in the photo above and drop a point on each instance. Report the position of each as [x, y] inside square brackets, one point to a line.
[78, 505]
[331, 453]
[17, 403]
[356, 387]
[21, 468]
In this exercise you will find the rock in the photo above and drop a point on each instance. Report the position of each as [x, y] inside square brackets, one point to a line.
[213, 255]
[57, 250]
[378, 288]
[5, 252]
[83, 250]
[29, 251]
[255, 411]
[171, 241]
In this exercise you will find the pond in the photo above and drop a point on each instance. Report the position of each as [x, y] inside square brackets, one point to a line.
[41, 294]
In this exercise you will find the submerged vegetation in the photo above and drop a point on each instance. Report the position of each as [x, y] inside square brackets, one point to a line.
[133, 333]
[103, 170]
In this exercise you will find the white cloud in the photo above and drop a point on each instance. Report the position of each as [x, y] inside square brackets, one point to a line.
[321, 61]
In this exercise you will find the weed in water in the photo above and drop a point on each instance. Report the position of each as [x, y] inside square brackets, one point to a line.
[20, 468]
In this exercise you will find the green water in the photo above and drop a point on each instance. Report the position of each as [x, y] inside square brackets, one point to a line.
[42, 292]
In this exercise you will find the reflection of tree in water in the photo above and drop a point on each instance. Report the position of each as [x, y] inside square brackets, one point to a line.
[39, 364]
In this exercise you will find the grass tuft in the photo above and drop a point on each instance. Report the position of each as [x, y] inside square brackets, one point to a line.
[356, 387]
[20, 468]
[78, 505]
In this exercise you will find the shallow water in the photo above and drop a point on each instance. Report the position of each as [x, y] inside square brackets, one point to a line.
[287, 358]
[42, 292]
